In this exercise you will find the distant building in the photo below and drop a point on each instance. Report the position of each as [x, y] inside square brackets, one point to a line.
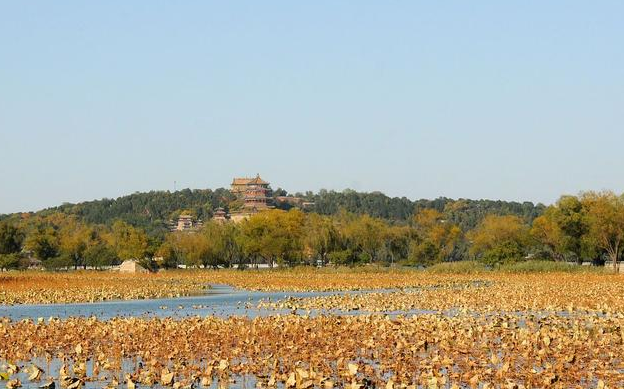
[220, 215]
[256, 195]
[185, 223]
[257, 198]
[240, 185]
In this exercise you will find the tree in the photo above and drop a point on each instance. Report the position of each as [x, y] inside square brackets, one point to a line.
[100, 255]
[43, 242]
[571, 219]
[217, 253]
[128, 242]
[499, 239]
[273, 236]
[397, 242]
[423, 253]
[230, 250]
[10, 238]
[365, 235]
[170, 258]
[605, 218]
[547, 231]
[320, 237]
[9, 261]
[74, 239]
[437, 237]
[257, 238]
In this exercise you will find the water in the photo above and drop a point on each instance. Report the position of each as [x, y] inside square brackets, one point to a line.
[220, 301]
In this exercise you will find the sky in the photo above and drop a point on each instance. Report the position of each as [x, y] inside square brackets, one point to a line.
[503, 100]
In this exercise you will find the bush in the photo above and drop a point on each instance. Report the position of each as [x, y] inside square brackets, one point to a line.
[507, 252]
[461, 267]
[9, 261]
[58, 263]
[342, 257]
[546, 267]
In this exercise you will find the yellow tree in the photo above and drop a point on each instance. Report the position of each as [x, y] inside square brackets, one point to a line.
[192, 248]
[273, 236]
[74, 239]
[320, 237]
[366, 235]
[499, 238]
[437, 237]
[605, 216]
[127, 241]
[547, 231]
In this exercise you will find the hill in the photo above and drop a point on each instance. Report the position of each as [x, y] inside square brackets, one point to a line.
[152, 210]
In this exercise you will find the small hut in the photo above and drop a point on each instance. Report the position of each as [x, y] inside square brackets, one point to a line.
[131, 266]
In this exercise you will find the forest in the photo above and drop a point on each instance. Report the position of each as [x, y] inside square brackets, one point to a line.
[151, 211]
[343, 228]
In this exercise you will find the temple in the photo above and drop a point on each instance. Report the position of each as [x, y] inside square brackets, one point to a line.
[220, 215]
[256, 196]
[185, 222]
[240, 185]
[255, 192]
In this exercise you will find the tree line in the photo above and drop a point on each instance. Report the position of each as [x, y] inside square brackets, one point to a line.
[151, 211]
[576, 228]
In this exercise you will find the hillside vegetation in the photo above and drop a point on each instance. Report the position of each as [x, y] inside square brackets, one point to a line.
[346, 228]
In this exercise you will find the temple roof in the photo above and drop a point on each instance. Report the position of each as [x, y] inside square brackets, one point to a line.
[241, 181]
[249, 181]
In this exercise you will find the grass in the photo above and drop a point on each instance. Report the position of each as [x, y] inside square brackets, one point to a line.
[532, 266]
[548, 267]
[459, 267]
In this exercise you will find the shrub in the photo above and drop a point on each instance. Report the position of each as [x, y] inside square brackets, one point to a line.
[458, 267]
[9, 261]
[534, 266]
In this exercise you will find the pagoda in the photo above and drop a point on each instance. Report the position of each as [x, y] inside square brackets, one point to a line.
[256, 196]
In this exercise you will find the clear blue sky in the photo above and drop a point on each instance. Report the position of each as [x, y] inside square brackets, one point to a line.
[506, 100]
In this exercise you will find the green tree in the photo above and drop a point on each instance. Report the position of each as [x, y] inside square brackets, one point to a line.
[167, 253]
[9, 261]
[571, 218]
[10, 238]
[397, 241]
[100, 255]
[43, 242]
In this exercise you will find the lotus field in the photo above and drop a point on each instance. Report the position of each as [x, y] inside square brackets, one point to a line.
[355, 329]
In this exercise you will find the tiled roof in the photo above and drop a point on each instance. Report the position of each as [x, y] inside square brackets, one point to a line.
[241, 181]
[249, 181]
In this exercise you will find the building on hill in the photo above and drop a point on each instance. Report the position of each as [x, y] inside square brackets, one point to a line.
[185, 223]
[220, 215]
[240, 185]
[256, 195]
[257, 198]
